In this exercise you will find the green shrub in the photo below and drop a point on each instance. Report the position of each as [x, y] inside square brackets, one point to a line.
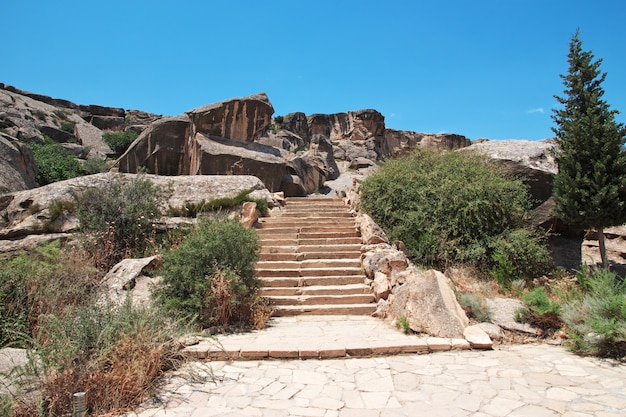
[446, 207]
[596, 319]
[118, 218]
[543, 312]
[119, 141]
[519, 254]
[94, 166]
[54, 163]
[68, 126]
[475, 306]
[210, 276]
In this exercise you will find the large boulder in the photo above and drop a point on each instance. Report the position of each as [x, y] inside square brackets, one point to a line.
[160, 148]
[218, 156]
[532, 161]
[308, 171]
[429, 304]
[240, 119]
[17, 166]
[90, 137]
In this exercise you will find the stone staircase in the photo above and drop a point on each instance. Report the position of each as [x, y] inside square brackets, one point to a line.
[309, 261]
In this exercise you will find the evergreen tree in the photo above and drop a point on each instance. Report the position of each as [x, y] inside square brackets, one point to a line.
[590, 187]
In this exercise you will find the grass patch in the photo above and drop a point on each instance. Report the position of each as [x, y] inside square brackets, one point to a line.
[194, 209]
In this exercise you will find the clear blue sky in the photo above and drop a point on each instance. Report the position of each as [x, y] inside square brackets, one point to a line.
[483, 69]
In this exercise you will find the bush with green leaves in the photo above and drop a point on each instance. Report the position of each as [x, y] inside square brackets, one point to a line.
[595, 318]
[543, 312]
[519, 254]
[446, 207]
[54, 163]
[119, 141]
[210, 276]
[119, 217]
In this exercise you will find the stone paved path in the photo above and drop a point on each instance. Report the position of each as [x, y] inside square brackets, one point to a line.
[519, 380]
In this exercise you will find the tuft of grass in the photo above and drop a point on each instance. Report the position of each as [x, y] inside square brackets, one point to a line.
[595, 317]
[475, 306]
[403, 325]
[194, 209]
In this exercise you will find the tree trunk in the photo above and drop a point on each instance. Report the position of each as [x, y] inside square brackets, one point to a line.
[605, 261]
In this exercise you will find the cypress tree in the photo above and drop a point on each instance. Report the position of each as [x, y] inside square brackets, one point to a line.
[590, 187]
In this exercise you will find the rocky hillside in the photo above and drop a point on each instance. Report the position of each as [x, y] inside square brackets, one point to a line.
[294, 153]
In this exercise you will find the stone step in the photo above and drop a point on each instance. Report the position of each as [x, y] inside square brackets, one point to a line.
[279, 248]
[312, 281]
[317, 290]
[315, 241]
[305, 222]
[304, 214]
[297, 256]
[351, 309]
[306, 272]
[330, 241]
[336, 264]
[311, 300]
[308, 235]
[294, 228]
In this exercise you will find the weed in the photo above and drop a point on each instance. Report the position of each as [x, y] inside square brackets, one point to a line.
[596, 317]
[403, 325]
[68, 126]
[192, 209]
[475, 306]
[543, 312]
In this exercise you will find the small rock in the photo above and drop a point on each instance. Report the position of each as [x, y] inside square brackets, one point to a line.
[477, 337]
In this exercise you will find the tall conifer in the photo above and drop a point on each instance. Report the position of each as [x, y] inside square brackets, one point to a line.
[590, 187]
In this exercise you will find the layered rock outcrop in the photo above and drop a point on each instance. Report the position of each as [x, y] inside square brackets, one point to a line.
[532, 161]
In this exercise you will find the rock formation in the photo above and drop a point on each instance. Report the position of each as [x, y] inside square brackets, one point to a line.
[17, 167]
[26, 214]
[530, 160]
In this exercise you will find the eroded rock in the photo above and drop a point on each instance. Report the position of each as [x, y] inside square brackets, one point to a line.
[429, 304]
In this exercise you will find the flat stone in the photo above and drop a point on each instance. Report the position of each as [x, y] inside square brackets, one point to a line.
[477, 337]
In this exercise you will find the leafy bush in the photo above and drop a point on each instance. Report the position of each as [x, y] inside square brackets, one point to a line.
[119, 218]
[119, 141]
[519, 254]
[68, 126]
[210, 276]
[445, 207]
[54, 163]
[596, 318]
[544, 313]
[94, 166]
